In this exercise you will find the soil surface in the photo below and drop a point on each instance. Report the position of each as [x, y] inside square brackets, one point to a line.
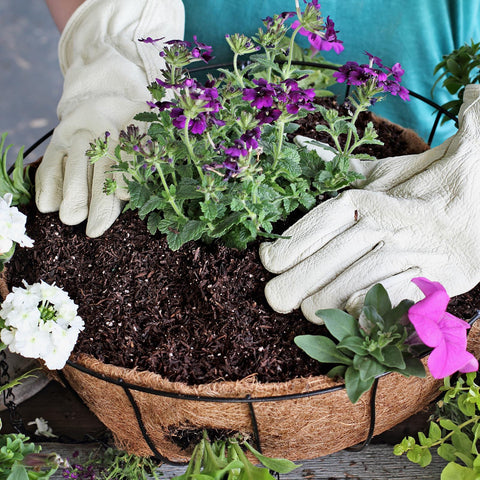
[196, 315]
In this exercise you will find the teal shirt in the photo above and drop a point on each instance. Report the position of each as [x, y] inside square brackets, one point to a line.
[415, 33]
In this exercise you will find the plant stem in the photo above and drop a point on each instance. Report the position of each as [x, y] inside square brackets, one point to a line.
[286, 72]
[192, 158]
[278, 149]
[171, 200]
[237, 73]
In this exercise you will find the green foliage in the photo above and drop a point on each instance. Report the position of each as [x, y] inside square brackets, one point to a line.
[227, 459]
[19, 185]
[360, 350]
[453, 432]
[458, 69]
[188, 184]
[22, 460]
[114, 464]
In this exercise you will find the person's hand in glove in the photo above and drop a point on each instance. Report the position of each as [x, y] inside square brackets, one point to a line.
[417, 215]
[106, 73]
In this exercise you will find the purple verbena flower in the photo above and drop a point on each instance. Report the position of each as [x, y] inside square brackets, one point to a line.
[238, 149]
[201, 50]
[260, 96]
[250, 137]
[198, 124]
[178, 118]
[388, 79]
[268, 115]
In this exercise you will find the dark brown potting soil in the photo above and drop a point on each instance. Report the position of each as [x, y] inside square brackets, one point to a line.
[196, 315]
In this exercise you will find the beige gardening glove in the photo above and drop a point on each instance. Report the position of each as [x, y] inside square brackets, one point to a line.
[417, 215]
[106, 71]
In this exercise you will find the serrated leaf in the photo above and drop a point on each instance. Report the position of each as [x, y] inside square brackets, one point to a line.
[146, 117]
[322, 349]
[227, 223]
[139, 194]
[188, 190]
[153, 203]
[339, 323]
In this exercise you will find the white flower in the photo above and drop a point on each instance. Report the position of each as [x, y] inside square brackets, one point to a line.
[40, 321]
[43, 429]
[12, 226]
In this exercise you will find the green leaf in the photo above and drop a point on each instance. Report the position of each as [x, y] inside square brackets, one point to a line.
[368, 367]
[19, 472]
[373, 316]
[447, 424]
[392, 357]
[378, 298]
[355, 386]
[322, 349]
[188, 190]
[192, 230]
[354, 344]
[413, 367]
[462, 442]
[279, 465]
[226, 224]
[339, 323]
[454, 471]
[447, 452]
[139, 194]
[146, 117]
[466, 407]
[434, 432]
[392, 317]
[338, 371]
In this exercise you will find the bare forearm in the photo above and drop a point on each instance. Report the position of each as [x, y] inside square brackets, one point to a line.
[61, 10]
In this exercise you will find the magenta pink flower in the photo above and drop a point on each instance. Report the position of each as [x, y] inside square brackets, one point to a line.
[442, 331]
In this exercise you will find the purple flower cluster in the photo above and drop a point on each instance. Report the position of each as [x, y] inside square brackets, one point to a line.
[240, 148]
[272, 99]
[206, 95]
[388, 79]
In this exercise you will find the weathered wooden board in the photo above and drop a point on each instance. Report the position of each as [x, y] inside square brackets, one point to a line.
[376, 462]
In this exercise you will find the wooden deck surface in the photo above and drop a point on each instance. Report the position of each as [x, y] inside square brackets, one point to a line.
[77, 428]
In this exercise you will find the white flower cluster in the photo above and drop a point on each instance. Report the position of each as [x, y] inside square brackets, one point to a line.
[40, 321]
[12, 226]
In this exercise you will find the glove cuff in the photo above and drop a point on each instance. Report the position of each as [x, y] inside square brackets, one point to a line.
[119, 24]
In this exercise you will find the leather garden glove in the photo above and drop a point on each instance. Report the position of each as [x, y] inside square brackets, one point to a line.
[106, 73]
[417, 215]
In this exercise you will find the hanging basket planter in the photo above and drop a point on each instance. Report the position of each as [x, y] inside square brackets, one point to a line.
[299, 419]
